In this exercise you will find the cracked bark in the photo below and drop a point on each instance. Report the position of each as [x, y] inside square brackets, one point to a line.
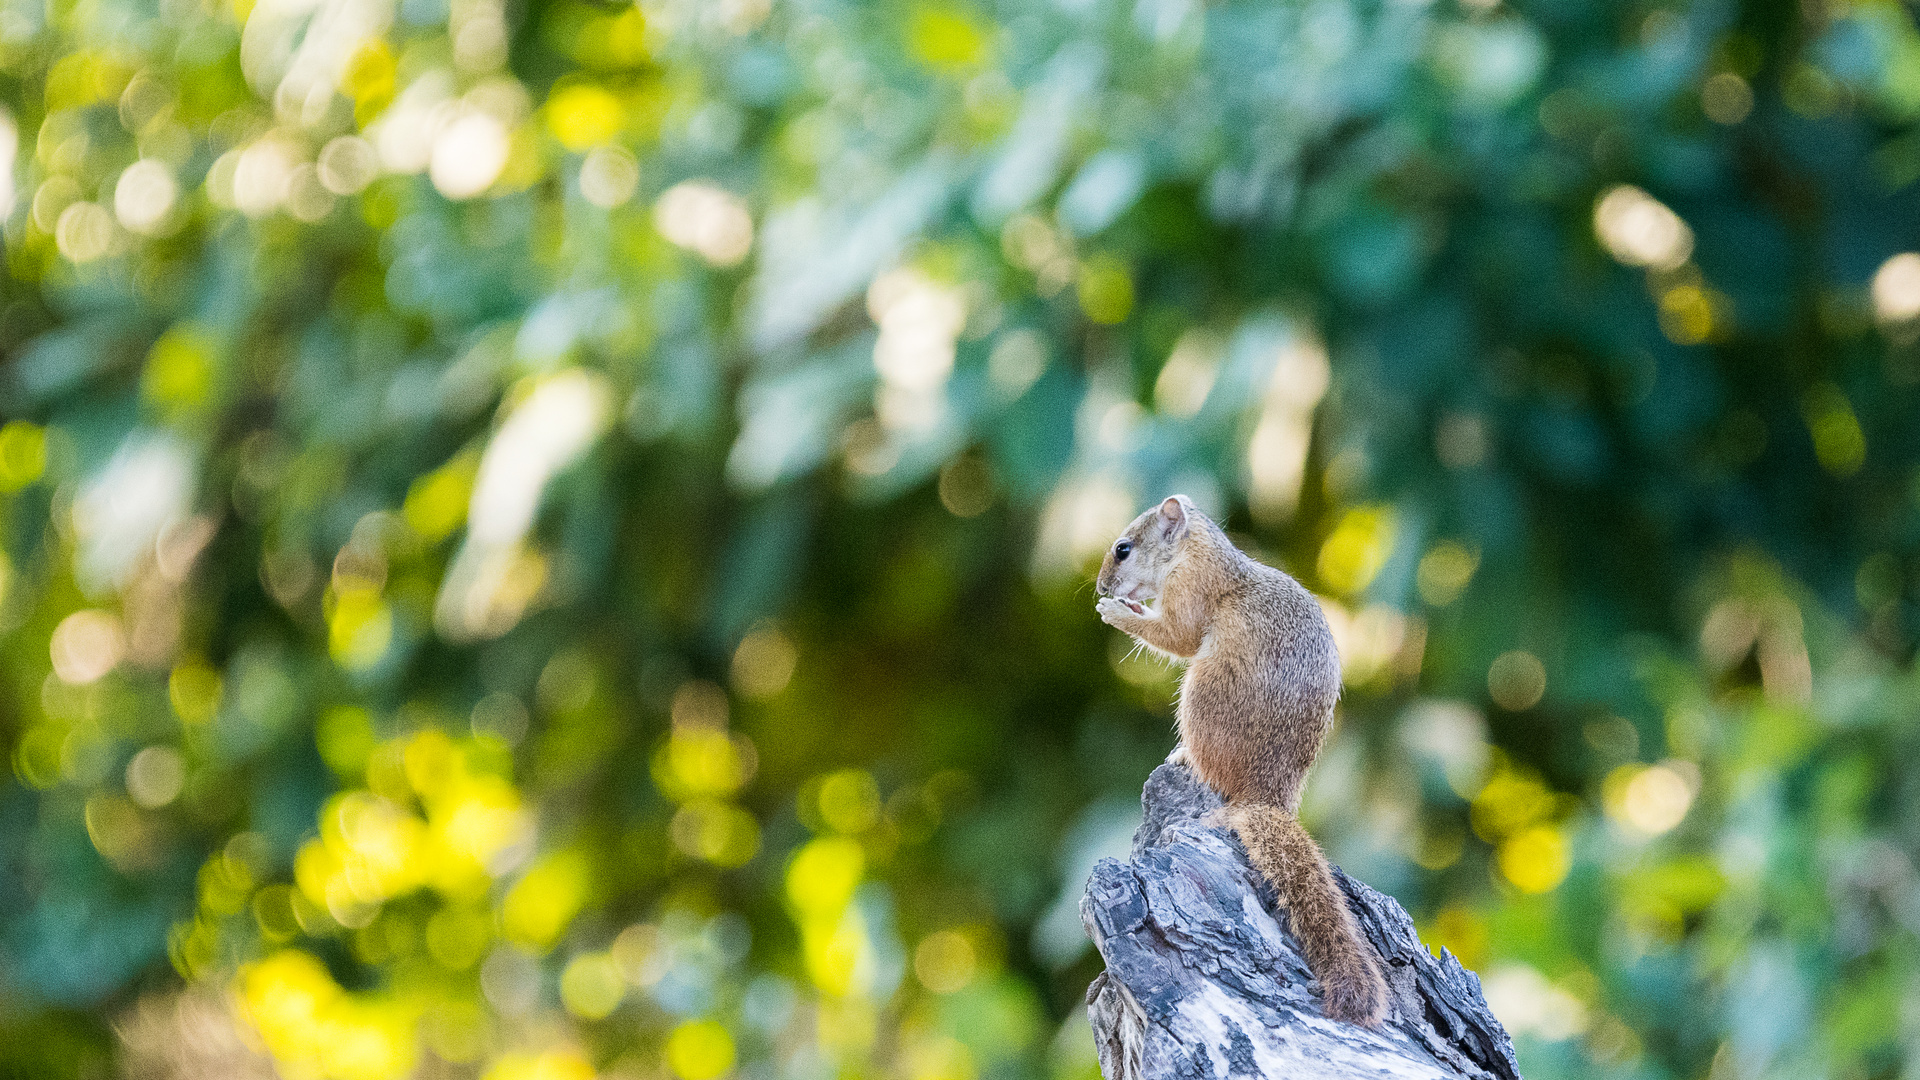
[1204, 983]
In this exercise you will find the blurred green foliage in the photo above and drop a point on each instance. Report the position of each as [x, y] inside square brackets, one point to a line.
[551, 539]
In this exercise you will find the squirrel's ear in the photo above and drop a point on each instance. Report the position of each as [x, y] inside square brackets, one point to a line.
[1173, 515]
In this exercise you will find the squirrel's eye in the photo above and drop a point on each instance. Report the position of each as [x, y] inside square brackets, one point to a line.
[1122, 549]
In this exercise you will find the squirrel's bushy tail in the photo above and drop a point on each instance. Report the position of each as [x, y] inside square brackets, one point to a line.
[1349, 973]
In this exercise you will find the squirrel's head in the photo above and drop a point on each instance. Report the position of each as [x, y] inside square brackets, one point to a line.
[1136, 565]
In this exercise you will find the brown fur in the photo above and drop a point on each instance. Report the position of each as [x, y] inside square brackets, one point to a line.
[1255, 705]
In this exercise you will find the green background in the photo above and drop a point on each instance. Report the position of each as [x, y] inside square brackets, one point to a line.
[555, 538]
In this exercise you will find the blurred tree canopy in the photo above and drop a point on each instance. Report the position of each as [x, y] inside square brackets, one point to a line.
[551, 539]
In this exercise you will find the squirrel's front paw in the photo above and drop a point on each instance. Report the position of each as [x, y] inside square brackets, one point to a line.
[1112, 609]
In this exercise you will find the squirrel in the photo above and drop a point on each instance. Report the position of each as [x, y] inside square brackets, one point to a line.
[1255, 704]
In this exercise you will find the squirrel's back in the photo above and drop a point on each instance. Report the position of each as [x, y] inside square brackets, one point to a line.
[1258, 700]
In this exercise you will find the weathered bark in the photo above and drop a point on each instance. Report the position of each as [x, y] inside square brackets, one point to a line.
[1203, 983]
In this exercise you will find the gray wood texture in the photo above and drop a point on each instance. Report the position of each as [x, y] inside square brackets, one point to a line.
[1203, 982]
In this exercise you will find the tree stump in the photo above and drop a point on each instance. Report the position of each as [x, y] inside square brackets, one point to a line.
[1203, 982]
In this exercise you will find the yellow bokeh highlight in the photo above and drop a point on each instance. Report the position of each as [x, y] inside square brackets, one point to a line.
[613, 41]
[1445, 571]
[314, 1028]
[700, 1050]
[430, 761]
[697, 761]
[23, 455]
[945, 961]
[823, 875]
[1357, 548]
[1838, 440]
[946, 39]
[821, 881]
[1536, 859]
[478, 817]
[344, 737]
[284, 996]
[437, 503]
[551, 1065]
[1687, 314]
[225, 885]
[1105, 290]
[1462, 931]
[85, 78]
[194, 690]
[836, 951]
[475, 820]
[583, 116]
[1518, 812]
[625, 38]
[1512, 799]
[36, 758]
[543, 903]
[591, 986]
[193, 946]
[374, 847]
[1658, 897]
[850, 801]
[179, 375]
[368, 851]
[369, 1041]
[369, 79]
[717, 832]
[359, 629]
